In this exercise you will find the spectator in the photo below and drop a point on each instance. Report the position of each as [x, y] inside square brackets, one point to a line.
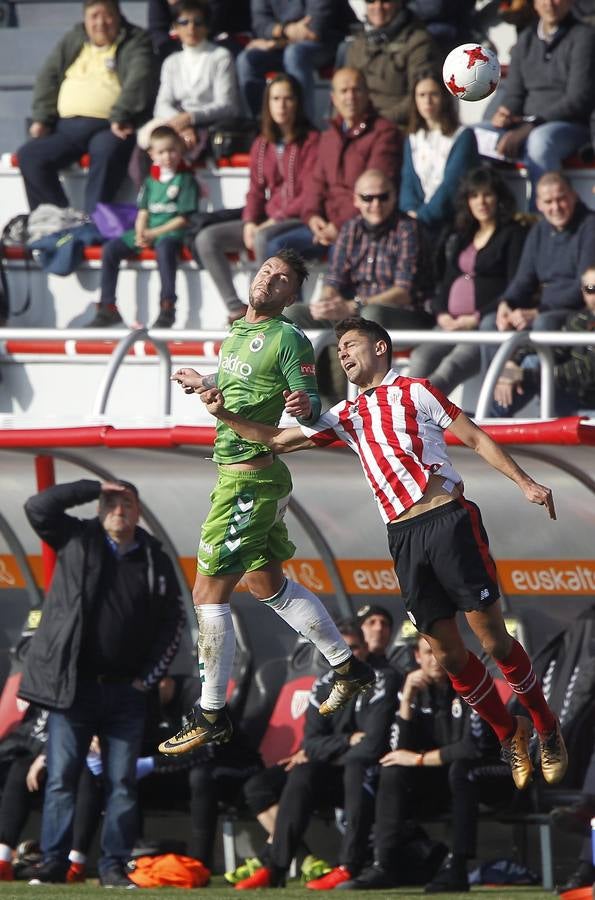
[331, 765]
[484, 252]
[372, 269]
[297, 37]
[577, 818]
[357, 139]
[22, 774]
[282, 159]
[227, 16]
[574, 369]
[438, 154]
[198, 84]
[547, 286]
[392, 49]
[95, 88]
[168, 196]
[448, 21]
[376, 624]
[549, 92]
[435, 750]
[111, 625]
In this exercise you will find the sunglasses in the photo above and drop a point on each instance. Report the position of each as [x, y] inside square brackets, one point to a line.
[588, 288]
[196, 21]
[369, 198]
[387, 2]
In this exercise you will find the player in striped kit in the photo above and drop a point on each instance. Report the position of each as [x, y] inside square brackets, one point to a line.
[436, 536]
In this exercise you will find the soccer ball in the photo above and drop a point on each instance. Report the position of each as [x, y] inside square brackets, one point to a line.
[471, 72]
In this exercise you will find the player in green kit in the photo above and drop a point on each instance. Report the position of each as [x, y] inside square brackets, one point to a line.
[266, 366]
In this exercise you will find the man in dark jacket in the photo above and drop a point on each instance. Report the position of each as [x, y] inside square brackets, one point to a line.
[549, 92]
[394, 47]
[294, 36]
[96, 87]
[110, 627]
[437, 743]
[336, 765]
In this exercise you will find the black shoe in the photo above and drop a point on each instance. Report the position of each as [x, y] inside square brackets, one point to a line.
[116, 877]
[105, 317]
[374, 878]
[583, 876]
[166, 317]
[451, 876]
[359, 678]
[44, 873]
[198, 731]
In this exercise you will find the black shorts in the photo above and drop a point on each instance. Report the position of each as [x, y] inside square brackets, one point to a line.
[443, 563]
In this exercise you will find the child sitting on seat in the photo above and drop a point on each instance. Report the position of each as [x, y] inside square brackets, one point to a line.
[168, 196]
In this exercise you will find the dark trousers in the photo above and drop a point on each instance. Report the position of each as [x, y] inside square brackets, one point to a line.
[314, 785]
[470, 783]
[17, 800]
[211, 784]
[167, 251]
[41, 160]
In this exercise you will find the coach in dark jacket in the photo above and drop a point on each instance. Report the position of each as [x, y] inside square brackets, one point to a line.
[95, 88]
[111, 625]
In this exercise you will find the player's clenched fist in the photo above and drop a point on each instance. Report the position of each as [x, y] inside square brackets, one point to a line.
[214, 400]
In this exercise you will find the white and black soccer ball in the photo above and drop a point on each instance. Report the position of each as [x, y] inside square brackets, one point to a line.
[471, 72]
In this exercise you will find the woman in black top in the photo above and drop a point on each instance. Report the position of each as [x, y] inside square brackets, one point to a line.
[482, 256]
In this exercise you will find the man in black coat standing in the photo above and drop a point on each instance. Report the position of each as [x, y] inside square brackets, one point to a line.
[111, 625]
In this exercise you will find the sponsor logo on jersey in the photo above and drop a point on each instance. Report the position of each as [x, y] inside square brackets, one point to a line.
[257, 343]
[234, 365]
[308, 369]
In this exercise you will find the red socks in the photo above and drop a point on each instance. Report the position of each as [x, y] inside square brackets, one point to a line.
[519, 674]
[476, 687]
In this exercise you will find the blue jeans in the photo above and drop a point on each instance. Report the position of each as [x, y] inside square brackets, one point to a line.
[167, 251]
[299, 60]
[116, 713]
[550, 320]
[565, 404]
[547, 147]
[299, 238]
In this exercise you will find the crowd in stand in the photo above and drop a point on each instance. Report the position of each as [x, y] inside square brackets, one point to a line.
[430, 238]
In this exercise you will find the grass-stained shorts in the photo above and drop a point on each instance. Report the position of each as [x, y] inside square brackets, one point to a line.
[244, 528]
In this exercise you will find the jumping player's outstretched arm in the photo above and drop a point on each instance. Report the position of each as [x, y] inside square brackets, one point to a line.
[477, 439]
[280, 440]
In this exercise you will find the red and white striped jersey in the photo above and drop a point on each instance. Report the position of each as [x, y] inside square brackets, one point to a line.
[397, 430]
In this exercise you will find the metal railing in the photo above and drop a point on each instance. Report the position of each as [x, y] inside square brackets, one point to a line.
[508, 343]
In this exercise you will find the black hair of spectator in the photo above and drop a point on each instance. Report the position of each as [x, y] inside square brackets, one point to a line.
[449, 117]
[115, 5]
[165, 131]
[366, 326]
[295, 262]
[350, 628]
[269, 130]
[200, 7]
[483, 178]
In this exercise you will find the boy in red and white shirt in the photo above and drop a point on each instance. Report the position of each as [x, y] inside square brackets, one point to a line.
[436, 537]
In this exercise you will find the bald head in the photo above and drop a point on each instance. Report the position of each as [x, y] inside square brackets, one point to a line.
[374, 196]
[349, 93]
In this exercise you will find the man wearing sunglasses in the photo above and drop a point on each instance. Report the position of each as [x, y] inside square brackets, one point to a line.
[371, 271]
[574, 369]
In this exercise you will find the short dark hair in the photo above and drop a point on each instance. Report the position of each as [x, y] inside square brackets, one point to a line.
[294, 261]
[165, 131]
[351, 628]
[201, 7]
[113, 3]
[366, 326]
[487, 179]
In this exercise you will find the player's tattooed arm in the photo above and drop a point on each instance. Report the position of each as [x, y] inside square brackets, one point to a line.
[193, 382]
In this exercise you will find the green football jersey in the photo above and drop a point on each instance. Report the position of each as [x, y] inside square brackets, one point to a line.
[256, 364]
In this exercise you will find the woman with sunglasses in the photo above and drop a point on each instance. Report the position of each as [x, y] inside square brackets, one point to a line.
[281, 164]
[483, 253]
[198, 85]
[437, 154]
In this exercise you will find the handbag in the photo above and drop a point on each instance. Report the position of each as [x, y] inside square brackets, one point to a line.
[233, 135]
[113, 219]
